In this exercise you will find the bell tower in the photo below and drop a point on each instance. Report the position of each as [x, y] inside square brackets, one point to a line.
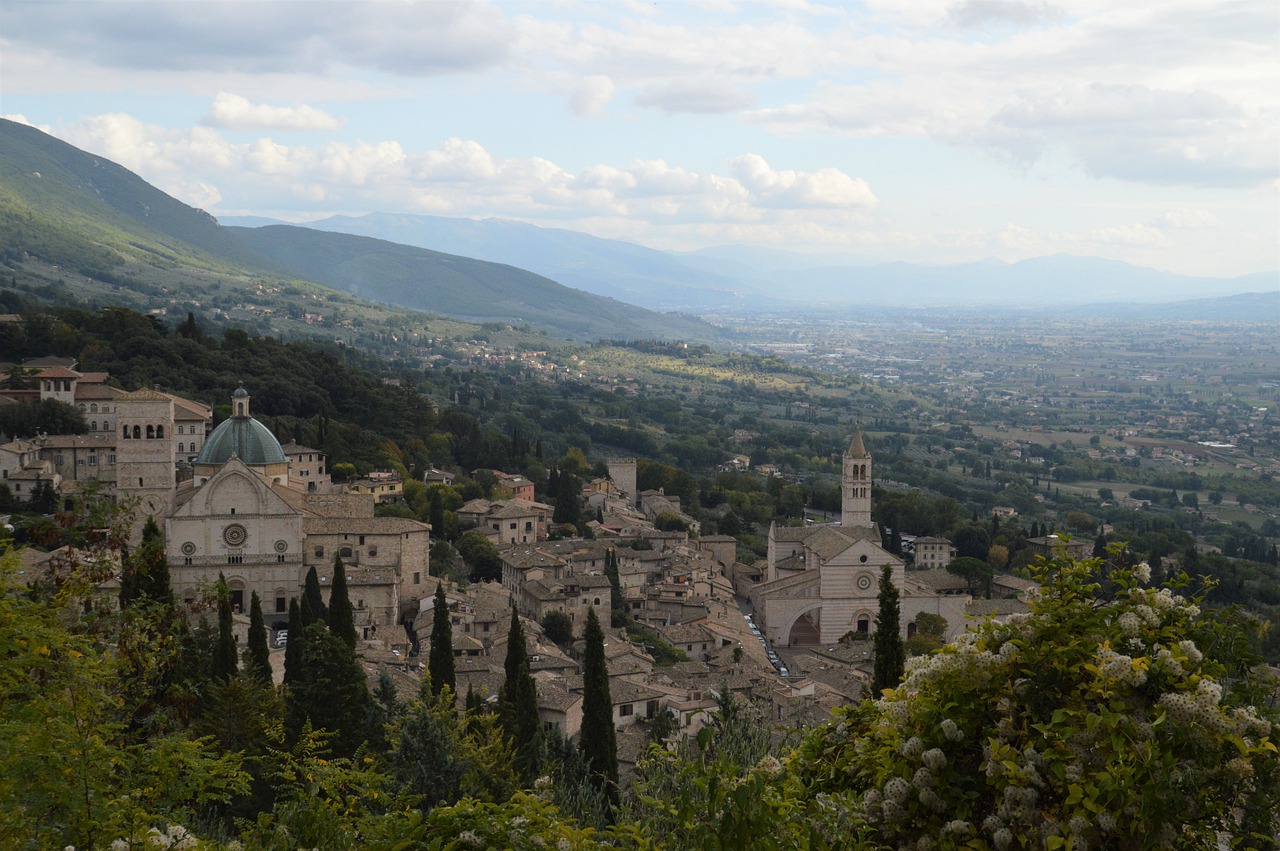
[855, 491]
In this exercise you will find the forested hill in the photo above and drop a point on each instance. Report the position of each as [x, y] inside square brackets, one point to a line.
[70, 207]
[478, 290]
[82, 214]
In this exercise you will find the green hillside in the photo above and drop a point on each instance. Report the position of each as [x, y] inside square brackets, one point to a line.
[421, 279]
[106, 235]
[68, 207]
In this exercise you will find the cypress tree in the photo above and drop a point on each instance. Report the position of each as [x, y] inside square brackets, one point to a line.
[617, 604]
[597, 739]
[313, 600]
[152, 566]
[296, 626]
[519, 704]
[890, 654]
[258, 661]
[441, 658]
[332, 694]
[342, 622]
[224, 651]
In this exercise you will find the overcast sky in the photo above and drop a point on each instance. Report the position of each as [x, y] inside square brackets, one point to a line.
[925, 130]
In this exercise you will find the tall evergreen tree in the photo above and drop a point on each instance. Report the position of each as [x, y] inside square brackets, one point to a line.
[330, 692]
[519, 705]
[151, 564]
[891, 657]
[294, 644]
[617, 603]
[258, 659]
[597, 738]
[441, 658]
[224, 651]
[313, 600]
[568, 498]
[342, 622]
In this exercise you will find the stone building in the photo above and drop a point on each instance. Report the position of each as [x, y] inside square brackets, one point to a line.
[822, 582]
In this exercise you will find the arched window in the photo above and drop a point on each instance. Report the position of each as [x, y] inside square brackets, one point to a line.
[182, 447]
[151, 432]
[345, 552]
[93, 409]
[137, 432]
[93, 426]
[239, 409]
[160, 432]
[126, 432]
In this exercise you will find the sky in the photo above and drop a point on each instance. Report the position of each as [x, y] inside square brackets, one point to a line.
[930, 131]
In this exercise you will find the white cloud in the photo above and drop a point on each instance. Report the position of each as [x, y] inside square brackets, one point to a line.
[827, 187]
[592, 96]
[1189, 219]
[233, 112]
[707, 97]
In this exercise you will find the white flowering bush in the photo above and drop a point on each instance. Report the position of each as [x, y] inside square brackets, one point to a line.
[1083, 724]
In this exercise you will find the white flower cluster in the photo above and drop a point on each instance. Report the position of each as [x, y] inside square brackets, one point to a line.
[769, 766]
[1120, 668]
[951, 730]
[1198, 707]
[1189, 649]
[174, 836]
[471, 839]
[1143, 572]
[1130, 624]
[934, 759]
[913, 746]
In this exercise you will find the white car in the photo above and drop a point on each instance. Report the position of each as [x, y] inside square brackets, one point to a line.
[282, 638]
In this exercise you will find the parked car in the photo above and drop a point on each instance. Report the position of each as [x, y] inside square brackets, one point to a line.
[282, 638]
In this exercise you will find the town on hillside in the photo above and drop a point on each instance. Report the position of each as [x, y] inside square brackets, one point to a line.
[685, 618]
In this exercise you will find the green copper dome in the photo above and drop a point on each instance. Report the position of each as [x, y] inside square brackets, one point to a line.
[242, 436]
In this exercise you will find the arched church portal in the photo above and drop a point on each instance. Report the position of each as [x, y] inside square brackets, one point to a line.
[806, 629]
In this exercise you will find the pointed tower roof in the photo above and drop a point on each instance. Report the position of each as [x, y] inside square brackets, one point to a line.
[856, 449]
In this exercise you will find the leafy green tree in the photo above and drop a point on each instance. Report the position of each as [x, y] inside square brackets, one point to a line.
[425, 759]
[342, 621]
[258, 657]
[724, 788]
[557, 627]
[480, 553]
[1094, 722]
[973, 541]
[440, 662]
[890, 655]
[518, 704]
[568, 499]
[329, 692]
[597, 738]
[976, 573]
[224, 652]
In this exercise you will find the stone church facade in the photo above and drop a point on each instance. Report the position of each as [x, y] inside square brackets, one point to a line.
[822, 582]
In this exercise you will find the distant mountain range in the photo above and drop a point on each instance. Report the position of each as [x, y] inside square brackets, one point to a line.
[85, 214]
[729, 277]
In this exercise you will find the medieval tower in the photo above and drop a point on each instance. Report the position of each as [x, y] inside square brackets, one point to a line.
[855, 502]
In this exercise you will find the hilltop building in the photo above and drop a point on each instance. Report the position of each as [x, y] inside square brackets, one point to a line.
[822, 582]
[262, 520]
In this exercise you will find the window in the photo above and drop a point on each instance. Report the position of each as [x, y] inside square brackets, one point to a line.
[93, 460]
[362, 540]
[281, 606]
[345, 552]
[319, 552]
[625, 709]
[93, 426]
[126, 432]
[235, 559]
[151, 432]
[280, 558]
[417, 579]
[187, 560]
[57, 459]
[160, 432]
[137, 432]
[182, 447]
[864, 625]
[111, 459]
[93, 409]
